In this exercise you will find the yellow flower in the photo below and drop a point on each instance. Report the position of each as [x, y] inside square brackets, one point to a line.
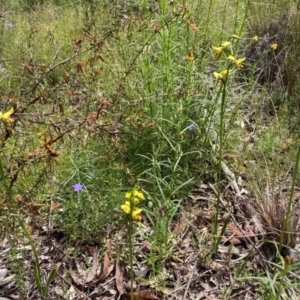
[135, 193]
[237, 62]
[274, 46]
[225, 44]
[221, 75]
[139, 195]
[218, 50]
[255, 38]
[129, 207]
[126, 207]
[190, 56]
[236, 37]
[6, 116]
[136, 215]
[231, 57]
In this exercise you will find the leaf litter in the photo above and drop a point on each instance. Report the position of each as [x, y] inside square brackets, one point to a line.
[190, 271]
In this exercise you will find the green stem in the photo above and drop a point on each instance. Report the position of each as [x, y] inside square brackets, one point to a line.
[129, 241]
[221, 142]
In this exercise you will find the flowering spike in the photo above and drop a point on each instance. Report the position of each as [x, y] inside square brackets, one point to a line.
[132, 200]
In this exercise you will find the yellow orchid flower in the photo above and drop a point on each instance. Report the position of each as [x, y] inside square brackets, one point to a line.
[126, 207]
[138, 195]
[231, 57]
[129, 207]
[237, 62]
[135, 195]
[190, 56]
[128, 195]
[5, 117]
[274, 46]
[218, 50]
[225, 44]
[136, 215]
[221, 75]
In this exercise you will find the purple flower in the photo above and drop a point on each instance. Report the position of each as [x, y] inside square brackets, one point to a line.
[10, 25]
[77, 187]
[192, 127]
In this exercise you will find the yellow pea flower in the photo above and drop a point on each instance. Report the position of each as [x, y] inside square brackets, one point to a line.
[255, 38]
[136, 214]
[231, 57]
[139, 195]
[129, 207]
[190, 56]
[221, 75]
[5, 117]
[274, 46]
[126, 207]
[237, 62]
[225, 44]
[218, 50]
[128, 195]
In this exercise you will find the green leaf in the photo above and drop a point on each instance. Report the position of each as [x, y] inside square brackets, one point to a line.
[49, 280]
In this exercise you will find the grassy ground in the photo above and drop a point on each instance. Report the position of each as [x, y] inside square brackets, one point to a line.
[187, 110]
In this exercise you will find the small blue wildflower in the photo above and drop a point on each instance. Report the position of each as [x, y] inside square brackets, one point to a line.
[192, 127]
[10, 25]
[77, 187]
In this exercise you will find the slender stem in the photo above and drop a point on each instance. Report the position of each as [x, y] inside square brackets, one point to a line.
[221, 142]
[129, 241]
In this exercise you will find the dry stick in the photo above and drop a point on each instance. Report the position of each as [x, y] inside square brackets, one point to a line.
[66, 60]
[84, 295]
[23, 162]
[189, 282]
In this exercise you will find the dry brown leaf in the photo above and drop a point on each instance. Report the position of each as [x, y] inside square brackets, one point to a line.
[119, 276]
[106, 263]
[73, 275]
[4, 279]
[233, 241]
[193, 26]
[94, 251]
[178, 227]
[232, 228]
[140, 295]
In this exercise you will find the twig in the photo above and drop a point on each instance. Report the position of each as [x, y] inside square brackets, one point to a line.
[67, 281]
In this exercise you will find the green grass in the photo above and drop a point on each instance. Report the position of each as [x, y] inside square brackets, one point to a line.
[105, 94]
